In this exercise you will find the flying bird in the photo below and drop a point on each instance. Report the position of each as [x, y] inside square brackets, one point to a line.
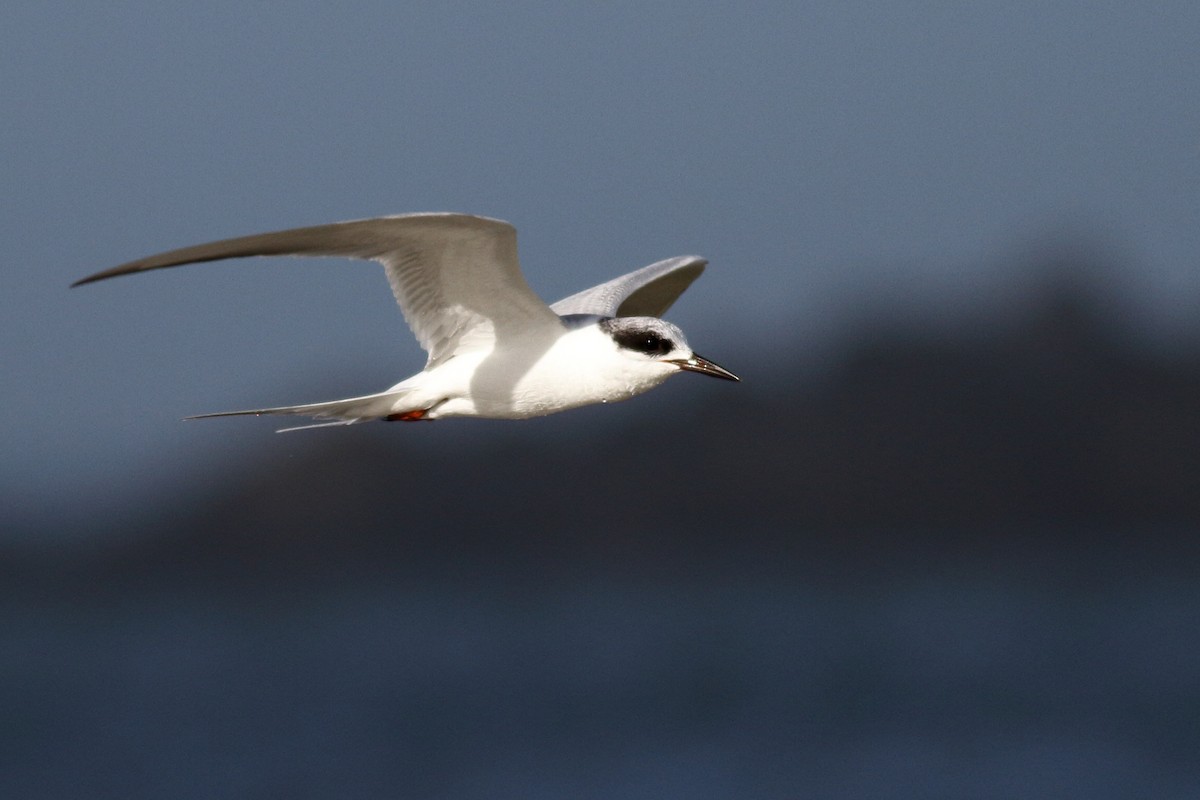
[495, 349]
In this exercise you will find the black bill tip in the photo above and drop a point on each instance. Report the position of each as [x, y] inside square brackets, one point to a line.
[705, 367]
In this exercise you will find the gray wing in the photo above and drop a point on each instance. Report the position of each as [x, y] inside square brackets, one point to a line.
[647, 292]
[456, 277]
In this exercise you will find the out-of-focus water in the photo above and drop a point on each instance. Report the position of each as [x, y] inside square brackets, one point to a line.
[977, 682]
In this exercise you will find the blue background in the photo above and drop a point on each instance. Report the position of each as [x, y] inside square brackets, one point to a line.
[884, 191]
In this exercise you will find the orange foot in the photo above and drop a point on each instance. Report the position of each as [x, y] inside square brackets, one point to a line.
[408, 416]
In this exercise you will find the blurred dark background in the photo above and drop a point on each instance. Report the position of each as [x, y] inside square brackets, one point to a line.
[940, 542]
[943, 566]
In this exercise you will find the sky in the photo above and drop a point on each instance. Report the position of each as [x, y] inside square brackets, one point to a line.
[826, 157]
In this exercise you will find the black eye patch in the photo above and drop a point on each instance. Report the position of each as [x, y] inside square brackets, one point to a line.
[644, 342]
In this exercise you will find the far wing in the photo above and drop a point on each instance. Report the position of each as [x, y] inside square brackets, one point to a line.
[456, 277]
[647, 292]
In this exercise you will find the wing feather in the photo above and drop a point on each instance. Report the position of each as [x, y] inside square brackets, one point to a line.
[647, 292]
[456, 277]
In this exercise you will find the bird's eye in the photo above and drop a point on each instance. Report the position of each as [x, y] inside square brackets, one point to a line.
[643, 341]
[653, 345]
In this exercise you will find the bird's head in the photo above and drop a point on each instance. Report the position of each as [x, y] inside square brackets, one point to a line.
[649, 343]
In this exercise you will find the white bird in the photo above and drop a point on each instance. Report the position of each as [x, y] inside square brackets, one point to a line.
[495, 349]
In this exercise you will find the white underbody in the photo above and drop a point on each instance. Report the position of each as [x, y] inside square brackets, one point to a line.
[530, 379]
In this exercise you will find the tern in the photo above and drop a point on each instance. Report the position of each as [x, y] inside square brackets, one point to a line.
[495, 349]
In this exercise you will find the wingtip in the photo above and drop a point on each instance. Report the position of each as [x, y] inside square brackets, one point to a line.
[99, 276]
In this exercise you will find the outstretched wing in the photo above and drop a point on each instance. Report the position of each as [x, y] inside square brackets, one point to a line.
[456, 277]
[647, 292]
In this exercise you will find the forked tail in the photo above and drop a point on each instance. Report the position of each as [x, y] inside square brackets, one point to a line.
[341, 412]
